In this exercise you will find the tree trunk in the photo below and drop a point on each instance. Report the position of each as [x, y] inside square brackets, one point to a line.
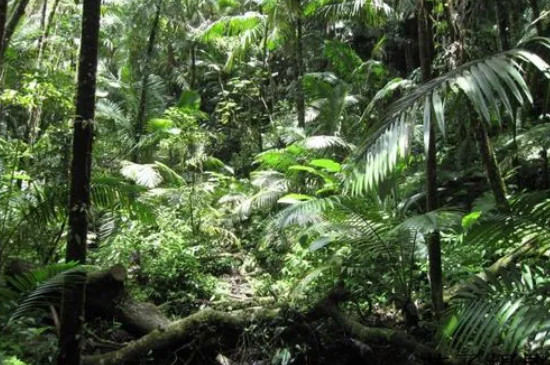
[385, 336]
[141, 115]
[545, 177]
[194, 66]
[426, 50]
[12, 25]
[3, 17]
[72, 309]
[35, 113]
[208, 325]
[449, 11]
[503, 22]
[300, 99]
[491, 166]
[43, 23]
[49, 23]
[107, 298]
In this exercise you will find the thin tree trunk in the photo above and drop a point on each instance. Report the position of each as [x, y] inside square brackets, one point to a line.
[536, 14]
[300, 99]
[36, 111]
[12, 24]
[426, 50]
[72, 309]
[141, 115]
[501, 11]
[47, 30]
[267, 67]
[485, 147]
[493, 171]
[43, 17]
[545, 178]
[194, 66]
[3, 18]
[455, 31]
[449, 11]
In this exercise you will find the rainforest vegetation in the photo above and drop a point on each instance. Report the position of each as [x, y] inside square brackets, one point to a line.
[274, 182]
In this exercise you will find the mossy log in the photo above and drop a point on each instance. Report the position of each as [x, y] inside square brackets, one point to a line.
[203, 324]
[226, 327]
[381, 336]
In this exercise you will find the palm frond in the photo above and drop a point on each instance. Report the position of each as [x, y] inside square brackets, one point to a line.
[325, 142]
[42, 287]
[527, 221]
[145, 175]
[487, 83]
[511, 310]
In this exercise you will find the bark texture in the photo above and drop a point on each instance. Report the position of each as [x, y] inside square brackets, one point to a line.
[142, 106]
[491, 166]
[205, 323]
[300, 99]
[226, 327]
[72, 309]
[3, 19]
[426, 51]
[108, 299]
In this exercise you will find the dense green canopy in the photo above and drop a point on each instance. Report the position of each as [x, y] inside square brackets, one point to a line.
[244, 161]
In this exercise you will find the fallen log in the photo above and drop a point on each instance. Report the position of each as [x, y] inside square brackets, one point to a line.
[382, 336]
[106, 297]
[146, 319]
[204, 324]
[227, 326]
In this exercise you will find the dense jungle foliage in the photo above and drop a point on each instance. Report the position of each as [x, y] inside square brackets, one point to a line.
[274, 182]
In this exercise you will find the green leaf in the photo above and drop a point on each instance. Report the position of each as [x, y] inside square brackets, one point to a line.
[439, 111]
[470, 219]
[190, 100]
[329, 165]
[320, 243]
[294, 198]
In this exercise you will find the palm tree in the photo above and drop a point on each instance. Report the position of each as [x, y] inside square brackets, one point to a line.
[426, 51]
[487, 83]
[72, 310]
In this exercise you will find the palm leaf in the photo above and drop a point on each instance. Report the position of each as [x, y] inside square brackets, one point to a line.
[487, 83]
[506, 310]
[41, 288]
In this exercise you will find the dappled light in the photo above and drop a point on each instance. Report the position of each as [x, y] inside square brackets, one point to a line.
[254, 182]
